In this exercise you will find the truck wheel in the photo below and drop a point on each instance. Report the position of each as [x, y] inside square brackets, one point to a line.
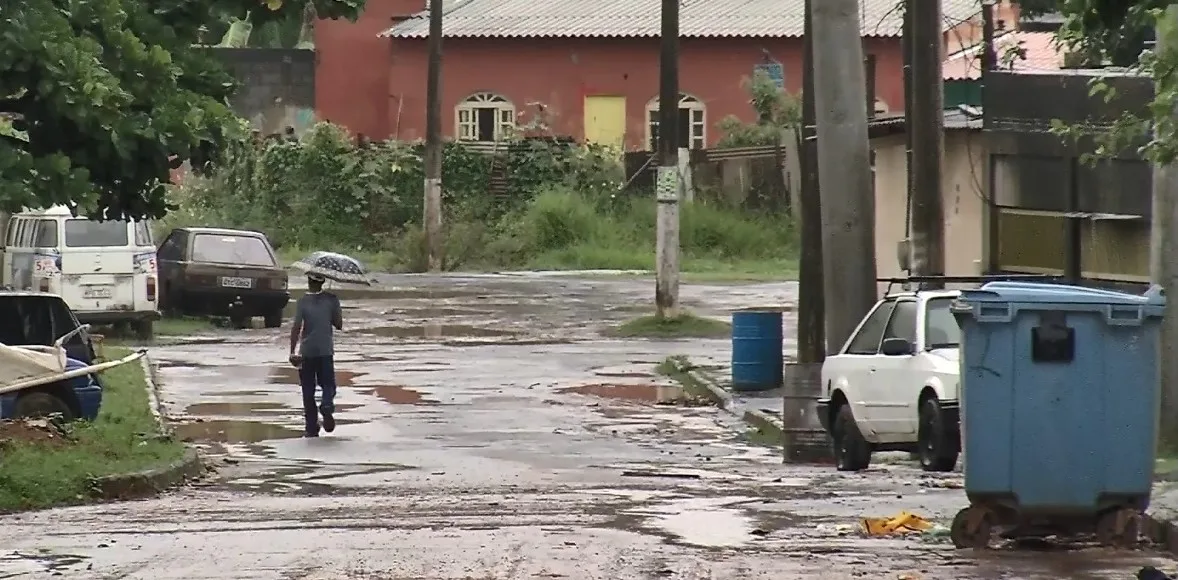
[936, 445]
[273, 319]
[144, 329]
[851, 450]
[42, 403]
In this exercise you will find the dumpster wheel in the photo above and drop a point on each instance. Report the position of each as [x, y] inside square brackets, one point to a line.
[1119, 528]
[972, 527]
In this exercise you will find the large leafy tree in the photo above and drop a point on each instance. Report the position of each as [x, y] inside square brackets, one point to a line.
[102, 98]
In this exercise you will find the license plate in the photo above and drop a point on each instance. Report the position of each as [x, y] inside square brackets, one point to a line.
[96, 292]
[237, 282]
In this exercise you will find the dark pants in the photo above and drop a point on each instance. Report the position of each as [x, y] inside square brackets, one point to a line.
[317, 370]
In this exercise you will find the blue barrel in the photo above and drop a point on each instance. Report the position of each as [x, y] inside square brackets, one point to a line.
[756, 349]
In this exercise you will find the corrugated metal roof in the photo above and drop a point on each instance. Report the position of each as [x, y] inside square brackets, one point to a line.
[640, 18]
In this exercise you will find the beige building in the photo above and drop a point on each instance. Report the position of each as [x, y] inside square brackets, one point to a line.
[963, 191]
[1112, 247]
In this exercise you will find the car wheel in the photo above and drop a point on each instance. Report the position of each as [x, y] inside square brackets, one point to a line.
[144, 329]
[851, 451]
[42, 403]
[937, 446]
[273, 319]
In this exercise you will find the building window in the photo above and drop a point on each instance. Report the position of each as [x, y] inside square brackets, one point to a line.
[484, 117]
[692, 123]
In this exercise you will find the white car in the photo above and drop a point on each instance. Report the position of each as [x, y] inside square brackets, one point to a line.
[893, 385]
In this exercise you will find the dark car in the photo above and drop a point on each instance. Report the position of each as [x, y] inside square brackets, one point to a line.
[37, 318]
[221, 272]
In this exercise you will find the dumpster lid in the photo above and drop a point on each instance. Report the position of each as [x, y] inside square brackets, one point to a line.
[1036, 292]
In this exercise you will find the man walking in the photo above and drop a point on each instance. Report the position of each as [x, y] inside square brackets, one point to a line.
[311, 351]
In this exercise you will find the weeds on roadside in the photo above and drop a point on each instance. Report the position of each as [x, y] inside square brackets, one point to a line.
[123, 439]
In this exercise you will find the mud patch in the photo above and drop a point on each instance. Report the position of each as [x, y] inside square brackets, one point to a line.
[35, 431]
[288, 375]
[398, 395]
[430, 313]
[220, 431]
[638, 393]
[436, 331]
[237, 409]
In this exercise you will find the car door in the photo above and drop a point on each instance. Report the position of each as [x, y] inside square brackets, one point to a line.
[858, 361]
[168, 259]
[894, 383]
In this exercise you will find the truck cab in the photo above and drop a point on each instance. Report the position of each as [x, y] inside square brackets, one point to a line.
[893, 385]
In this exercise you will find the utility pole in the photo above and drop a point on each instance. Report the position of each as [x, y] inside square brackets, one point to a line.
[811, 306]
[668, 189]
[432, 214]
[1163, 244]
[928, 146]
[844, 168]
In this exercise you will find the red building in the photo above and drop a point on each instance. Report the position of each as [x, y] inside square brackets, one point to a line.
[583, 69]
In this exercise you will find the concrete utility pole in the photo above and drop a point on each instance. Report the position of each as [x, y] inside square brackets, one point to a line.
[927, 118]
[1163, 245]
[432, 215]
[668, 188]
[811, 306]
[844, 168]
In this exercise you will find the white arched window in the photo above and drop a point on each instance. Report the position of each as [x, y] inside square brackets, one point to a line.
[484, 117]
[692, 123]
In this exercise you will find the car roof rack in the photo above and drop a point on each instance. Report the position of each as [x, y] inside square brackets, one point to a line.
[921, 281]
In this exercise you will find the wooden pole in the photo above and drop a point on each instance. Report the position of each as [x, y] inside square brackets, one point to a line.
[668, 190]
[432, 214]
[928, 147]
[1163, 266]
[811, 305]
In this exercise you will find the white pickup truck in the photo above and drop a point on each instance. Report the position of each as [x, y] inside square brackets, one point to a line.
[893, 385]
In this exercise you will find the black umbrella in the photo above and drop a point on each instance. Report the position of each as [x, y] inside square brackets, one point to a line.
[333, 266]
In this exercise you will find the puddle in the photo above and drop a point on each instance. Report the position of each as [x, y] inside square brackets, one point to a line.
[399, 395]
[707, 522]
[435, 331]
[237, 409]
[641, 393]
[234, 431]
[288, 375]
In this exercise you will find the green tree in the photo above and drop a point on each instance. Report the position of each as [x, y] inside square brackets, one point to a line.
[776, 110]
[105, 97]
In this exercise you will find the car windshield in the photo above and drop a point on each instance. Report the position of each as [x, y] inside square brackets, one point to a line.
[228, 249]
[940, 328]
[84, 233]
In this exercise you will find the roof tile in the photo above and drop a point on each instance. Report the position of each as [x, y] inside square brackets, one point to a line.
[640, 18]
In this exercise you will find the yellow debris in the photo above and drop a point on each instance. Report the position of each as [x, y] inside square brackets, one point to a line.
[903, 523]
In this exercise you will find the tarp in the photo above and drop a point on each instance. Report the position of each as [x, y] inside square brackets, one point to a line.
[22, 363]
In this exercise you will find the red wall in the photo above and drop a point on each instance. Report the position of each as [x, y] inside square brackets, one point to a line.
[557, 73]
[352, 66]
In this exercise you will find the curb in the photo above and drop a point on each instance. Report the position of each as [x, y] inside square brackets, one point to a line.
[150, 481]
[765, 423]
[714, 393]
[1163, 533]
[723, 399]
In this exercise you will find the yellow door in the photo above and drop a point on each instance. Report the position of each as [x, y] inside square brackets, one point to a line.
[605, 120]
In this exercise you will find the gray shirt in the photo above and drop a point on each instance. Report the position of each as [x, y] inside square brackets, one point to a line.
[316, 312]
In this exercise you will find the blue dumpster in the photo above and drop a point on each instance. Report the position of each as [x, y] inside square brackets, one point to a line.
[756, 349]
[1059, 410]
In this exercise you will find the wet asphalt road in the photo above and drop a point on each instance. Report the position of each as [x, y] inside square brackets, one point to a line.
[466, 451]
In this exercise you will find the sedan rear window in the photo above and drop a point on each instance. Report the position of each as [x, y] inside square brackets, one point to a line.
[83, 233]
[238, 250]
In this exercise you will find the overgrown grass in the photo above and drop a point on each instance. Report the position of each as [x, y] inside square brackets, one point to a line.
[686, 325]
[561, 229]
[123, 439]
